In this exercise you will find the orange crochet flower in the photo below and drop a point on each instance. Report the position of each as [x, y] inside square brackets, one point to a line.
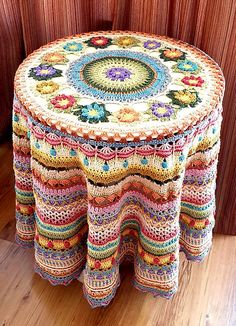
[173, 53]
[127, 115]
[54, 57]
[169, 54]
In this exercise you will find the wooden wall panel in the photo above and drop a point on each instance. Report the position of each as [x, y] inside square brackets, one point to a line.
[217, 37]
[100, 14]
[11, 55]
[150, 16]
[207, 24]
[226, 183]
[184, 19]
[46, 20]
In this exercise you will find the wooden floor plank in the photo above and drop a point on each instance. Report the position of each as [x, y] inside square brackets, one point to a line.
[206, 295]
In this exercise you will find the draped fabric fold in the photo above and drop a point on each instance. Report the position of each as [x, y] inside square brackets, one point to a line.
[209, 25]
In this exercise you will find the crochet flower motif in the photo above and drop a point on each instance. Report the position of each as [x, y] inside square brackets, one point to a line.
[184, 98]
[187, 66]
[54, 57]
[44, 72]
[193, 81]
[127, 115]
[118, 73]
[151, 45]
[99, 42]
[92, 113]
[169, 54]
[126, 41]
[73, 47]
[161, 110]
[47, 87]
[63, 102]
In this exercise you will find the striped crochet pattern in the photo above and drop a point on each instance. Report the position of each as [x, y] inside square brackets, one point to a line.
[113, 165]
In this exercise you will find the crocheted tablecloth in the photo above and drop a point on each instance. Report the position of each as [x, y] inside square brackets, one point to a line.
[116, 139]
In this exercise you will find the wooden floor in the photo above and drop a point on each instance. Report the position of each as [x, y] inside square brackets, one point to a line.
[206, 296]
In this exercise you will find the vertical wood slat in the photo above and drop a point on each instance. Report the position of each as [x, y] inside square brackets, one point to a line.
[11, 54]
[149, 16]
[121, 15]
[182, 19]
[218, 39]
[100, 14]
[46, 20]
[208, 24]
[226, 185]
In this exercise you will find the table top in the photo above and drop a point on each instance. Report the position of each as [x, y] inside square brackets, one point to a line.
[119, 85]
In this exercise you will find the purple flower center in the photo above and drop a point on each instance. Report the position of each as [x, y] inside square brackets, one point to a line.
[118, 74]
[161, 110]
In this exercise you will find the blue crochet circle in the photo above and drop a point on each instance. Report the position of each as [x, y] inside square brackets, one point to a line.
[90, 75]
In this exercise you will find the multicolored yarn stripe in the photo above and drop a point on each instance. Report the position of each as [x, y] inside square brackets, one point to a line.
[87, 203]
[136, 216]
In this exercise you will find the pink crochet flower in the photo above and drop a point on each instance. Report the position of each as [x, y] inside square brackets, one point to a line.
[193, 81]
[63, 101]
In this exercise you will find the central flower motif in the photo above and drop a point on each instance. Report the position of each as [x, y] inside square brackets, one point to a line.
[118, 73]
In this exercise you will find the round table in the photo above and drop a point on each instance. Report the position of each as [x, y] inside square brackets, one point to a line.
[116, 139]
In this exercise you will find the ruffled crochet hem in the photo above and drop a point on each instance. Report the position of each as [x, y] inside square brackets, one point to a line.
[94, 303]
[195, 258]
[58, 281]
[155, 292]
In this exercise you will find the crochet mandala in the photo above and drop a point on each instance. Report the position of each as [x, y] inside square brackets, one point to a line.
[116, 140]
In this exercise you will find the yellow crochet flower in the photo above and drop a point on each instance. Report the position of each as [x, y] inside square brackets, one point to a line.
[47, 87]
[185, 97]
[126, 41]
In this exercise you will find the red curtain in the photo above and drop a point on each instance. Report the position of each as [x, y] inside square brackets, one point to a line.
[208, 24]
